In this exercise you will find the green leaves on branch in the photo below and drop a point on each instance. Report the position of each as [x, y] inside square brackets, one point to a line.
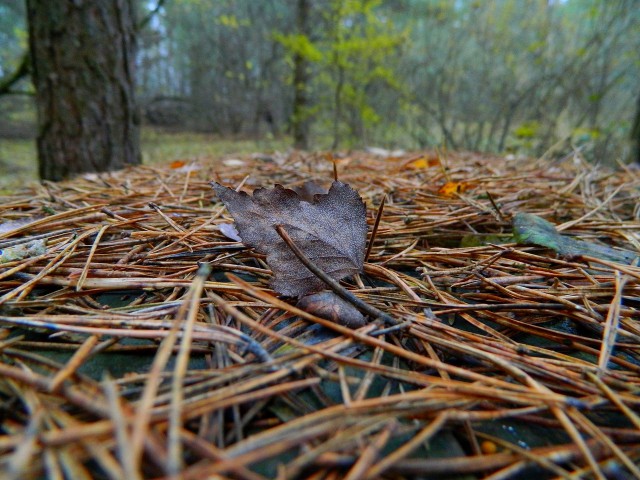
[296, 44]
[350, 48]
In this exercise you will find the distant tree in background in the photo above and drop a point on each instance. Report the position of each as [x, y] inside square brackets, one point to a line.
[358, 69]
[522, 75]
[300, 121]
[83, 62]
[343, 58]
[635, 133]
[220, 60]
[531, 77]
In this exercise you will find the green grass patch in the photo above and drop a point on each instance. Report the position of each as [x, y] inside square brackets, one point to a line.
[19, 165]
[160, 146]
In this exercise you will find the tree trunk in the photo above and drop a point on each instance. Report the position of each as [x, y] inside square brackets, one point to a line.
[337, 106]
[635, 134]
[300, 120]
[83, 71]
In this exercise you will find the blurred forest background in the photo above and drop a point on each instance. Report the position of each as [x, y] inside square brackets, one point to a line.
[528, 77]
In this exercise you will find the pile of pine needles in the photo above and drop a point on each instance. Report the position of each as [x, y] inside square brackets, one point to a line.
[137, 341]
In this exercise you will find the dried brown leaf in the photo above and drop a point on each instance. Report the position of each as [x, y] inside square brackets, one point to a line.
[329, 306]
[308, 190]
[331, 231]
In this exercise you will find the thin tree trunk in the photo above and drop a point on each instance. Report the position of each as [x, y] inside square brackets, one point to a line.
[337, 107]
[83, 71]
[635, 133]
[300, 119]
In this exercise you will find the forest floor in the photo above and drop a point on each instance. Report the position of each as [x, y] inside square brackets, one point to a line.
[511, 347]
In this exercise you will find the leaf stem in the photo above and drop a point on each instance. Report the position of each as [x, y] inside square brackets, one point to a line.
[333, 284]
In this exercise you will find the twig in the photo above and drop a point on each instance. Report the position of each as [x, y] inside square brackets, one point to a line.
[332, 284]
[374, 231]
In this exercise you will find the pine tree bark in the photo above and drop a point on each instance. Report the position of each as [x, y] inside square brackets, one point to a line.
[83, 55]
[300, 121]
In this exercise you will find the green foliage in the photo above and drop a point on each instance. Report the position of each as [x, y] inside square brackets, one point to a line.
[232, 21]
[296, 44]
[585, 136]
[356, 52]
[527, 129]
[523, 74]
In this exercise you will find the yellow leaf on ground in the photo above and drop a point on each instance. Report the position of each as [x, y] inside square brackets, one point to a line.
[451, 189]
[424, 162]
